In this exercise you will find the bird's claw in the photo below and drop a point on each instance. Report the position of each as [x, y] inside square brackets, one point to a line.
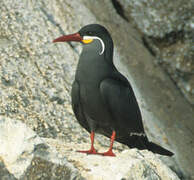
[91, 151]
[108, 153]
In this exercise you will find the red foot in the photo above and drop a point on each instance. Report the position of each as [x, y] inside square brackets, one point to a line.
[91, 151]
[108, 153]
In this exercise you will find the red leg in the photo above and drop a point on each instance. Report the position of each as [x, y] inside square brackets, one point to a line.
[92, 149]
[109, 152]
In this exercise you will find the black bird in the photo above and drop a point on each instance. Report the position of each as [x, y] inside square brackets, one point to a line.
[102, 98]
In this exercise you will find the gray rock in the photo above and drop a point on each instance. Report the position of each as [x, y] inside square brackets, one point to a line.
[24, 155]
[17, 143]
[157, 19]
[128, 164]
[4, 173]
[168, 30]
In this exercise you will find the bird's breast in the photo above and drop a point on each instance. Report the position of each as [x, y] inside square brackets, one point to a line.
[90, 75]
[94, 109]
[91, 71]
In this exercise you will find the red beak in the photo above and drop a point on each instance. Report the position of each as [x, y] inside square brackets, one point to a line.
[70, 37]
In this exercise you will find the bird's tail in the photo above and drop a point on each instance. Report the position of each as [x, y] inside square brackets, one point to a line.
[158, 149]
[142, 142]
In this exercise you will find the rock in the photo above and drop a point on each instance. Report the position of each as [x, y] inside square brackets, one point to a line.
[167, 27]
[4, 173]
[161, 18]
[133, 164]
[36, 77]
[24, 155]
[17, 143]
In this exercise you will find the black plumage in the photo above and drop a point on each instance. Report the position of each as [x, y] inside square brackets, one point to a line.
[102, 98]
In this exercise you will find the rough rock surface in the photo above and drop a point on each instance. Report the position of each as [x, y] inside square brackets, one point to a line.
[27, 156]
[36, 78]
[168, 30]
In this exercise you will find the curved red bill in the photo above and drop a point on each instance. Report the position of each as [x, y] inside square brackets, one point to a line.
[70, 37]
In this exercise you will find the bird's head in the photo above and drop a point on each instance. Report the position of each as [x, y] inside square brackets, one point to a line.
[89, 34]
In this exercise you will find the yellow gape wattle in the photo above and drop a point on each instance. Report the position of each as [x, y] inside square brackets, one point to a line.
[87, 41]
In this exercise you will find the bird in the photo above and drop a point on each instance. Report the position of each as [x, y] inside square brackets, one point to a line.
[103, 100]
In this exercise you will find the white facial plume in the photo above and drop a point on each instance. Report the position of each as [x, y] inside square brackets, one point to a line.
[95, 37]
